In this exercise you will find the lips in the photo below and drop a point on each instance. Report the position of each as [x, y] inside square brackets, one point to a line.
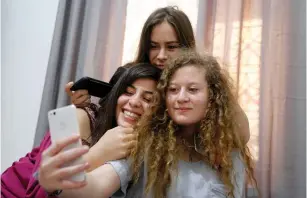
[160, 66]
[183, 109]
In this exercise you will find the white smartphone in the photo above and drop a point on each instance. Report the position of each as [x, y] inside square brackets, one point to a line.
[63, 122]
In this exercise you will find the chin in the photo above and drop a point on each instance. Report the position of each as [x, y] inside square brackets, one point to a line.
[186, 121]
[183, 122]
[126, 125]
[186, 124]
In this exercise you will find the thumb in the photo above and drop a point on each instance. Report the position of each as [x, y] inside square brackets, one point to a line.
[128, 130]
[122, 129]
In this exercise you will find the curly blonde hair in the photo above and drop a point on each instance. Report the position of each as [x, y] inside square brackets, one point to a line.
[156, 142]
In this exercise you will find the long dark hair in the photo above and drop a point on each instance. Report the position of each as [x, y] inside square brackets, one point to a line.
[177, 19]
[106, 118]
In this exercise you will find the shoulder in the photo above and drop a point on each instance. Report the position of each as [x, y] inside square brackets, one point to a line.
[242, 124]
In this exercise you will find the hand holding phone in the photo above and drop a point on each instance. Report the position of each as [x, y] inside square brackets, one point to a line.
[63, 123]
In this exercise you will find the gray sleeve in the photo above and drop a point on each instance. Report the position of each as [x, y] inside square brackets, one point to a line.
[122, 168]
[238, 179]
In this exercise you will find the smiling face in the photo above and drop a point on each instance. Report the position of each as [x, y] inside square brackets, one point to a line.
[132, 104]
[187, 95]
[164, 44]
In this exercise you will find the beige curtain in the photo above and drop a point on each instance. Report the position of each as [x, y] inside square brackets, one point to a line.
[262, 44]
[282, 137]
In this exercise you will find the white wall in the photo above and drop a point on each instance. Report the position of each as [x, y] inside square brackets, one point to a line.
[27, 29]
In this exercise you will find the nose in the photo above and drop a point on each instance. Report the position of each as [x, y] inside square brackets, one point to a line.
[162, 55]
[183, 96]
[135, 101]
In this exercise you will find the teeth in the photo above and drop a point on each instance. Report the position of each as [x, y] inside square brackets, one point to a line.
[132, 115]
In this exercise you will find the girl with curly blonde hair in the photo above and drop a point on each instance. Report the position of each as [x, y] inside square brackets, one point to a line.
[192, 126]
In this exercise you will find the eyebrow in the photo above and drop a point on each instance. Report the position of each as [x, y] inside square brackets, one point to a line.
[146, 92]
[189, 84]
[168, 42]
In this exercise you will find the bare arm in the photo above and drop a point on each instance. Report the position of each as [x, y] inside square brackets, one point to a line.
[115, 143]
[102, 182]
[93, 157]
[84, 124]
[85, 132]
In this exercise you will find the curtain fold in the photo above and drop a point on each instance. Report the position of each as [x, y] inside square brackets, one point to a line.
[282, 137]
[262, 44]
[83, 45]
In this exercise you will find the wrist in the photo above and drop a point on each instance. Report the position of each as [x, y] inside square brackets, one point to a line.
[94, 157]
[49, 190]
[88, 158]
[54, 193]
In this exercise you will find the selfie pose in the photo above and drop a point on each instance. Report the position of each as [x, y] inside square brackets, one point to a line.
[165, 33]
[187, 145]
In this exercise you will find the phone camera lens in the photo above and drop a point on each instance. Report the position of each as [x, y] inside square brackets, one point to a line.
[53, 113]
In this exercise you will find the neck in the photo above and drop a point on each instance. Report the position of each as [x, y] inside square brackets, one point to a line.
[187, 132]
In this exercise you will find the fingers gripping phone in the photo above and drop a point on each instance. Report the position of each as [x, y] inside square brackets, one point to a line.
[63, 122]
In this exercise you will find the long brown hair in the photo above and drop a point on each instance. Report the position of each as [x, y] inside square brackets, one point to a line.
[156, 143]
[177, 19]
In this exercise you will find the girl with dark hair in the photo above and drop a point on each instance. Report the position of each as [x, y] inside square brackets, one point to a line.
[118, 113]
[120, 110]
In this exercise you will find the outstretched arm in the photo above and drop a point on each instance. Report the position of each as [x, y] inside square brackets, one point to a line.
[102, 182]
